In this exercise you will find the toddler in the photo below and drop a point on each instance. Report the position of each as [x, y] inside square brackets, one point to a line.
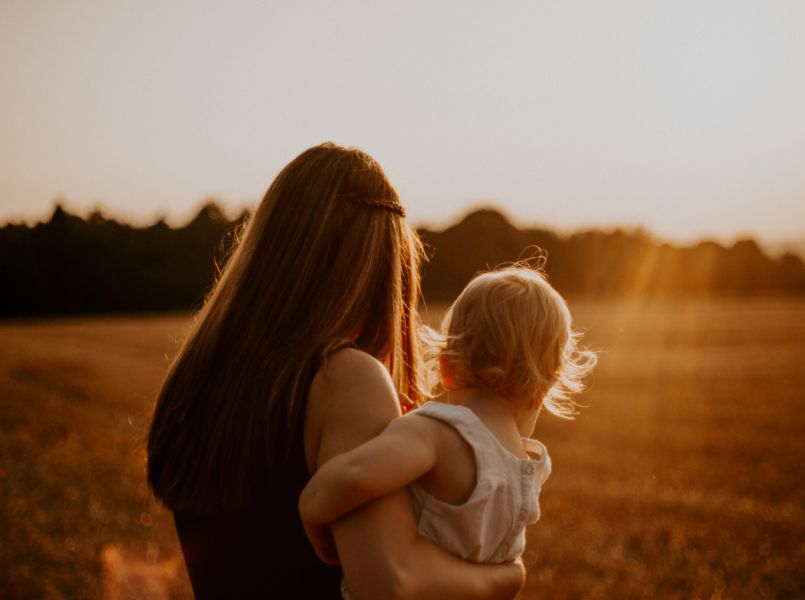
[506, 349]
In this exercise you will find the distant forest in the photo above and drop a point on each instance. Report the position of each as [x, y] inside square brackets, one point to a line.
[73, 265]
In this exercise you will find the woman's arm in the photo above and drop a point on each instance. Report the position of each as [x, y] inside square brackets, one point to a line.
[404, 452]
[352, 401]
[382, 557]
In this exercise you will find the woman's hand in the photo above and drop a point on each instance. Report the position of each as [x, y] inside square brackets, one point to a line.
[518, 574]
[321, 538]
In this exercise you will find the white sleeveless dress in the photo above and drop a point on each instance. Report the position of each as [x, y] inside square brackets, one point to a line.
[490, 526]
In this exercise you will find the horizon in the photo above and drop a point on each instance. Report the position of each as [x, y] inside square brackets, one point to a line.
[232, 213]
[570, 117]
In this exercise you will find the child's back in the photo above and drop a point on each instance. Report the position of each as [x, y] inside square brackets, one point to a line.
[480, 494]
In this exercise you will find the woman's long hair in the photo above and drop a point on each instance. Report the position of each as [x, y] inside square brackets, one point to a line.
[327, 260]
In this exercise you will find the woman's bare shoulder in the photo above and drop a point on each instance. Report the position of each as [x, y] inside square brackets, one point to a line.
[351, 399]
[349, 375]
[349, 362]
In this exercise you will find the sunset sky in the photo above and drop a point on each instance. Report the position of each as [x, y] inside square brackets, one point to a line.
[686, 117]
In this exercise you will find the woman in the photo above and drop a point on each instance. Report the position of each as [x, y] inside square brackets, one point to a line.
[296, 357]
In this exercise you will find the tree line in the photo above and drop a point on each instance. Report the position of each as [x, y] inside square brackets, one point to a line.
[70, 264]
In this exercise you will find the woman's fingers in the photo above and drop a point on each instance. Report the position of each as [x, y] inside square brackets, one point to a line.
[321, 538]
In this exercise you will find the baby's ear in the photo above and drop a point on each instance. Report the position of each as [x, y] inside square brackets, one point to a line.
[446, 371]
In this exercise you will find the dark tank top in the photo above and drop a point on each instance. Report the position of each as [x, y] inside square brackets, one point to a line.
[259, 553]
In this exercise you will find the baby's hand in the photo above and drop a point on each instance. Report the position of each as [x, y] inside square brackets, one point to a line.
[321, 538]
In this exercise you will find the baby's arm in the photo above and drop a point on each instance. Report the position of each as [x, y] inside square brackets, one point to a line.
[401, 454]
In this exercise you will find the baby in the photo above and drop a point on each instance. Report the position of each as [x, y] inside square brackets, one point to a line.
[507, 348]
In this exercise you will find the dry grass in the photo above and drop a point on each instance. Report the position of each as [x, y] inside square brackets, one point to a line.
[681, 477]
[76, 395]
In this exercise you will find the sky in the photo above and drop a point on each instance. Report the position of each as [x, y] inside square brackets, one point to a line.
[685, 117]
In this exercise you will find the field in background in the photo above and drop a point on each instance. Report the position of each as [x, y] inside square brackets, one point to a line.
[682, 477]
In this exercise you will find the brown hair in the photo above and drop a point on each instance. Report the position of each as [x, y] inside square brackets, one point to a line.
[510, 331]
[327, 260]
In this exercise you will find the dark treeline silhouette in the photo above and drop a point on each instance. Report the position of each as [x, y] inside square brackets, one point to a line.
[75, 265]
[597, 263]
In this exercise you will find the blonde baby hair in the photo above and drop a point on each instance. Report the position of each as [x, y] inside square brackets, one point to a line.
[511, 332]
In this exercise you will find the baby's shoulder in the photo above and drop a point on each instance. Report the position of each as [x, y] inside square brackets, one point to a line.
[453, 477]
[418, 423]
[429, 419]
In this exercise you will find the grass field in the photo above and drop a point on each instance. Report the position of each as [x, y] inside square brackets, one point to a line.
[682, 477]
